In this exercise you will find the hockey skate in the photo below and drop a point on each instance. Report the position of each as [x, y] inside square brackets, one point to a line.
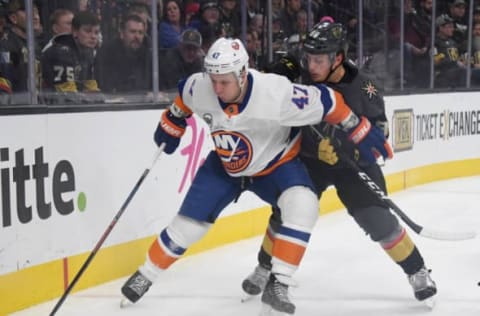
[275, 297]
[423, 286]
[134, 288]
[255, 282]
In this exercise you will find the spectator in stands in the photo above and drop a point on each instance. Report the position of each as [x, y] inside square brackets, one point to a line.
[278, 35]
[415, 47]
[82, 5]
[60, 23]
[253, 49]
[277, 6]
[208, 15]
[302, 23]
[5, 85]
[209, 33]
[230, 17]
[346, 12]
[124, 64]
[191, 10]
[256, 24]
[180, 62]
[68, 65]
[288, 17]
[320, 8]
[475, 55]
[172, 24]
[424, 14]
[13, 46]
[3, 20]
[476, 14]
[252, 9]
[295, 41]
[449, 70]
[143, 11]
[476, 45]
[456, 11]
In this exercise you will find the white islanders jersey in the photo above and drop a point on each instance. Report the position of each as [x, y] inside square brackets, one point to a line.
[256, 136]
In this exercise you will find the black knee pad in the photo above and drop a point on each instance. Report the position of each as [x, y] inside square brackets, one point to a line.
[376, 221]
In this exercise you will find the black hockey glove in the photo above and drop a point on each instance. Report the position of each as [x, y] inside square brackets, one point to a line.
[287, 66]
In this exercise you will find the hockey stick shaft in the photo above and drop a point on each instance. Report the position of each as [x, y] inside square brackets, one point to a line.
[422, 231]
[108, 230]
[380, 194]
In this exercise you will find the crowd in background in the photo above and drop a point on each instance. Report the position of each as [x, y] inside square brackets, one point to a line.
[87, 51]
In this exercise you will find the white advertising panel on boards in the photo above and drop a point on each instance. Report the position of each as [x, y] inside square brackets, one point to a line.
[433, 128]
[63, 177]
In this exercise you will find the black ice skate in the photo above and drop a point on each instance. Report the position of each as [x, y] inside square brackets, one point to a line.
[135, 287]
[275, 295]
[423, 286]
[256, 281]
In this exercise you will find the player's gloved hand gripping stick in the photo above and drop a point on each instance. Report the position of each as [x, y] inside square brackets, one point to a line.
[374, 188]
[169, 131]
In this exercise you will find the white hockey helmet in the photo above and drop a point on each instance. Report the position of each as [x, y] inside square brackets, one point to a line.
[227, 55]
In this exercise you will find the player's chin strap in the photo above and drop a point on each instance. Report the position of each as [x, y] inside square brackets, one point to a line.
[384, 199]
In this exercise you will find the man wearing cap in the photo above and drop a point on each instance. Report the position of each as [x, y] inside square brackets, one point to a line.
[181, 61]
[449, 70]
[124, 64]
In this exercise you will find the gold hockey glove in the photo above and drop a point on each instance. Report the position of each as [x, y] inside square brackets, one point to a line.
[326, 152]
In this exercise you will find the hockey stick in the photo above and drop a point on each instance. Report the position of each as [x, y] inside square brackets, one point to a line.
[108, 230]
[374, 188]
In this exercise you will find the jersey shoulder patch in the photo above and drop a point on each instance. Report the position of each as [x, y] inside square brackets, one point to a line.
[369, 88]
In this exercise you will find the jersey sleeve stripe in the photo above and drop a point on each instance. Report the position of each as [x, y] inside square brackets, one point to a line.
[339, 112]
[179, 103]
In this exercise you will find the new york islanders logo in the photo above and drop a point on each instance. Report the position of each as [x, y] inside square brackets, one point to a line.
[234, 150]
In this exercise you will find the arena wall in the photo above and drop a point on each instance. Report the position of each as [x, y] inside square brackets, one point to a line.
[63, 178]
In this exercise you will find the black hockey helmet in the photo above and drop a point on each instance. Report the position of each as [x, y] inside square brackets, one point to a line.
[326, 38]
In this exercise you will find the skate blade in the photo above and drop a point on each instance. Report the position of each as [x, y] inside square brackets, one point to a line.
[124, 303]
[267, 310]
[430, 303]
[247, 298]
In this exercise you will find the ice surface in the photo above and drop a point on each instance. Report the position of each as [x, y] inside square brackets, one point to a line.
[343, 272]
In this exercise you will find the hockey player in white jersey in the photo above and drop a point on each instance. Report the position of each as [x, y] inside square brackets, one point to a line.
[253, 119]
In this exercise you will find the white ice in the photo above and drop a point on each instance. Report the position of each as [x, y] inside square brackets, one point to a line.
[343, 272]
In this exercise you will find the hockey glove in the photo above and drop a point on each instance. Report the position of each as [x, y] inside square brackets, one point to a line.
[370, 140]
[169, 131]
[287, 66]
[326, 152]
[383, 125]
